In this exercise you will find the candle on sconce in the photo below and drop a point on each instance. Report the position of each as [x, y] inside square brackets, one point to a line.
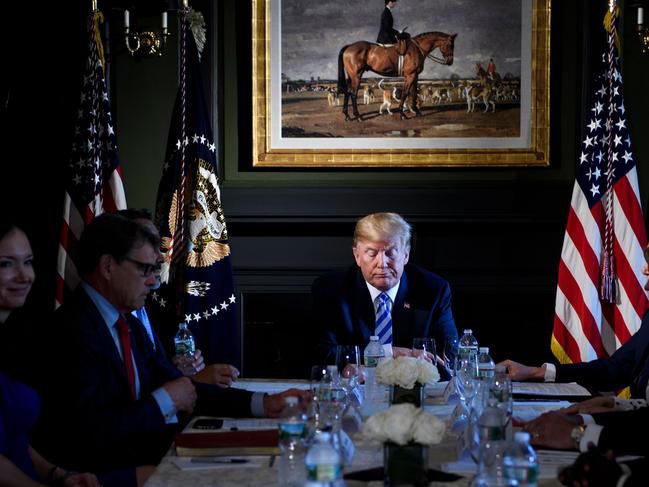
[127, 18]
[164, 19]
[640, 15]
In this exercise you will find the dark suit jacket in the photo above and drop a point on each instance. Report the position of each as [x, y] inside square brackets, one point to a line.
[345, 314]
[387, 34]
[628, 366]
[624, 432]
[90, 421]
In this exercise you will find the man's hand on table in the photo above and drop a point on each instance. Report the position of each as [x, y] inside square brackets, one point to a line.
[407, 352]
[521, 372]
[552, 429]
[182, 393]
[274, 403]
[222, 375]
[602, 404]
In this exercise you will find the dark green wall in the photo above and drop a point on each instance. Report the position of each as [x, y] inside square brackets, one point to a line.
[495, 234]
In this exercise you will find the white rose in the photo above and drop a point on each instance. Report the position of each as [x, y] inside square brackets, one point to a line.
[428, 429]
[407, 371]
[398, 423]
[427, 372]
[385, 372]
[373, 428]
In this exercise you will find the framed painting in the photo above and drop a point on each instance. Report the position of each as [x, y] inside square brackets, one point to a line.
[467, 83]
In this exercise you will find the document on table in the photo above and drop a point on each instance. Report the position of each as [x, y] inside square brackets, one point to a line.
[217, 463]
[270, 386]
[246, 424]
[550, 389]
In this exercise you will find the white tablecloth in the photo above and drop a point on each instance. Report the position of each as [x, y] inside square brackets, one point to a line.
[259, 472]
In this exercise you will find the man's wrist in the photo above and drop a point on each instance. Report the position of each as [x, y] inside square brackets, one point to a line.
[577, 434]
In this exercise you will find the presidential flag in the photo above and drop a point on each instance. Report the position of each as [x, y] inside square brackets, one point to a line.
[93, 176]
[197, 286]
[600, 298]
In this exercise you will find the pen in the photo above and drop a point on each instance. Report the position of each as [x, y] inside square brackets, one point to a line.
[218, 460]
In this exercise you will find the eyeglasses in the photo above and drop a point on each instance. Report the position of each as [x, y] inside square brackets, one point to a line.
[145, 268]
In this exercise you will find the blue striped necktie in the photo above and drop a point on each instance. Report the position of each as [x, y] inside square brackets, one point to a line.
[384, 319]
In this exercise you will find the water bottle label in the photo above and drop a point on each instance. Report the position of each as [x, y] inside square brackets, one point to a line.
[371, 361]
[185, 347]
[323, 473]
[523, 474]
[334, 395]
[291, 431]
[485, 372]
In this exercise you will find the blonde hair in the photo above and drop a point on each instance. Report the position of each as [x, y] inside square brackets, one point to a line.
[378, 227]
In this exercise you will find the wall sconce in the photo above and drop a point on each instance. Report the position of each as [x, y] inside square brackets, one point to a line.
[642, 30]
[146, 43]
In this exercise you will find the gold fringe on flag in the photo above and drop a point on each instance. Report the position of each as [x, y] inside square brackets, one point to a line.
[609, 18]
[99, 18]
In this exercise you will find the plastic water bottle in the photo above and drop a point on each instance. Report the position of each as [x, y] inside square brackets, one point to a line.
[486, 365]
[323, 468]
[185, 348]
[491, 430]
[292, 428]
[468, 344]
[521, 467]
[292, 424]
[373, 354]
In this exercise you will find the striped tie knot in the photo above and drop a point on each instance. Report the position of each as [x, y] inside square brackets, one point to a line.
[384, 319]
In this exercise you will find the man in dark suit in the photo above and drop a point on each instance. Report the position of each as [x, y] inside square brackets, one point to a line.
[387, 33]
[628, 366]
[382, 294]
[609, 423]
[113, 402]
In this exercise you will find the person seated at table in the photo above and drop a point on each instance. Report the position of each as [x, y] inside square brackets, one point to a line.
[20, 464]
[623, 432]
[627, 366]
[222, 375]
[112, 401]
[382, 294]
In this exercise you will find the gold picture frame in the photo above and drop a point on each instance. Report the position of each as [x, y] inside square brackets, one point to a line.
[530, 148]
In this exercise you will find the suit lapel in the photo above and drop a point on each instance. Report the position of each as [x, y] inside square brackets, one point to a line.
[364, 308]
[402, 331]
[107, 343]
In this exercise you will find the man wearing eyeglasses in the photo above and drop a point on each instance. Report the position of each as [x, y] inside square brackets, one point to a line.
[222, 375]
[113, 399]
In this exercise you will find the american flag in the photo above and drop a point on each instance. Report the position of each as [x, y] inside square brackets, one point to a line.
[197, 286]
[93, 179]
[600, 298]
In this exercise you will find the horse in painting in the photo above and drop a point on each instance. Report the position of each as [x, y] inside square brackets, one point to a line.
[354, 59]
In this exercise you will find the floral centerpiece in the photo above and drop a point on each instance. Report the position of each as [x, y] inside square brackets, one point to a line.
[406, 376]
[406, 431]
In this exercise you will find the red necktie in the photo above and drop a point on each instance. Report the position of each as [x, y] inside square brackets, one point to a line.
[125, 340]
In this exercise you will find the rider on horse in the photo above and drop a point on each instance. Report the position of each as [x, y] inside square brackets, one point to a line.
[387, 33]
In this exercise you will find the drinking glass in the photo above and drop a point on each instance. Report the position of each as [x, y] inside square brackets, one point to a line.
[451, 346]
[424, 347]
[317, 373]
[465, 377]
[348, 360]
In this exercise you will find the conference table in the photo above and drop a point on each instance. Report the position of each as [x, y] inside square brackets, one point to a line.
[262, 471]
